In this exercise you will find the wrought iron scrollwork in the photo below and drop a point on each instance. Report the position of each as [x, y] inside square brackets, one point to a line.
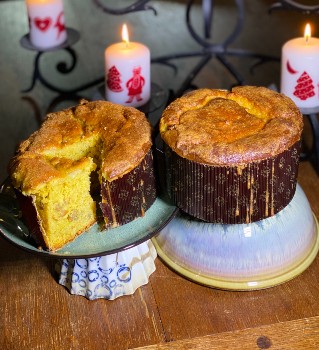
[294, 5]
[61, 67]
[312, 153]
[141, 5]
[209, 50]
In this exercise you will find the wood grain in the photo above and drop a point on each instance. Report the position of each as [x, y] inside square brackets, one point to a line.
[38, 313]
[293, 335]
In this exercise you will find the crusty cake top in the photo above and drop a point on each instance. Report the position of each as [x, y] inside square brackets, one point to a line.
[220, 127]
[115, 136]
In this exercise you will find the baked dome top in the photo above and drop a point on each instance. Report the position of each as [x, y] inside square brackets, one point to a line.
[220, 127]
[115, 136]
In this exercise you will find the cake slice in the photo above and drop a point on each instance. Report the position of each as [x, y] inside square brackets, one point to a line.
[96, 153]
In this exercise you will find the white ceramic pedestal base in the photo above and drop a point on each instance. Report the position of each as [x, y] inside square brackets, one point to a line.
[242, 256]
[110, 276]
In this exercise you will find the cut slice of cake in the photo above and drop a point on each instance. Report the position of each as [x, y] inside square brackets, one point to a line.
[59, 208]
[94, 147]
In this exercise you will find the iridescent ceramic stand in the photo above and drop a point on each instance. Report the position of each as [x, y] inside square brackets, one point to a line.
[242, 256]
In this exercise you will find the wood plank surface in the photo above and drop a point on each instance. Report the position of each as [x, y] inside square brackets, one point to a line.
[292, 335]
[39, 313]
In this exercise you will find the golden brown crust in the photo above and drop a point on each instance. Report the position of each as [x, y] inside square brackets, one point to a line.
[122, 135]
[218, 127]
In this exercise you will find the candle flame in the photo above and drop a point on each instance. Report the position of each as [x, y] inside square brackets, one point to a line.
[307, 34]
[125, 36]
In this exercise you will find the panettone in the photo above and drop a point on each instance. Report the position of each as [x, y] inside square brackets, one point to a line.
[232, 155]
[95, 145]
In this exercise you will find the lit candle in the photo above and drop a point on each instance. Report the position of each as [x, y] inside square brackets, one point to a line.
[46, 23]
[127, 72]
[300, 70]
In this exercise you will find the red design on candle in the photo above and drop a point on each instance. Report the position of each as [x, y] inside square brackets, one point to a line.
[135, 85]
[42, 23]
[290, 69]
[60, 24]
[113, 80]
[304, 88]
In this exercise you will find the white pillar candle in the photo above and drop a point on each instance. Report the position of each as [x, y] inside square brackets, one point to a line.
[127, 72]
[46, 23]
[300, 70]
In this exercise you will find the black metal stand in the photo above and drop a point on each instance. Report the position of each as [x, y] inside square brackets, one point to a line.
[312, 154]
[158, 100]
[140, 5]
[62, 67]
[220, 51]
[208, 50]
[294, 5]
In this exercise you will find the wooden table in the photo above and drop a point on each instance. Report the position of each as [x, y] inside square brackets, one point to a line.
[169, 312]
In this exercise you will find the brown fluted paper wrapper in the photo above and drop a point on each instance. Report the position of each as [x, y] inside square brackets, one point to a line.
[129, 197]
[123, 200]
[233, 194]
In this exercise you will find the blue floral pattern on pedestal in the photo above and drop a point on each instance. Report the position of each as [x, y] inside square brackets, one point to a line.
[108, 276]
[102, 283]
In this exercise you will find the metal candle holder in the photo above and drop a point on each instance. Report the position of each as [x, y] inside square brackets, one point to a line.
[208, 50]
[62, 67]
[312, 154]
[294, 5]
[220, 51]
